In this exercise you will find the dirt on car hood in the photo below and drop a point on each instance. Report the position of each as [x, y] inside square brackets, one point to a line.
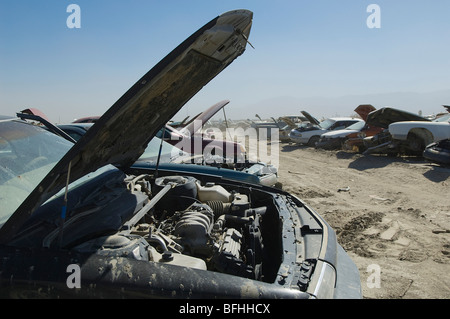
[121, 135]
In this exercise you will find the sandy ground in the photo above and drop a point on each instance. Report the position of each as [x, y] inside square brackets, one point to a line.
[390, 214]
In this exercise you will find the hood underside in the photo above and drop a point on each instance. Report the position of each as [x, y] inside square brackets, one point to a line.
[310, 118]
[117, 137]
[386, 115]
[363, 110]
[204, 117]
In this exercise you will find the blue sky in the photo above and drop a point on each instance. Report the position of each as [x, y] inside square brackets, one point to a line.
[318, 56]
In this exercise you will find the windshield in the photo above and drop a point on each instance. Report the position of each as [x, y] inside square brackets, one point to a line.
[327, 124]
[27, 154]
[444, 118]
[168, 151]
[357, 126]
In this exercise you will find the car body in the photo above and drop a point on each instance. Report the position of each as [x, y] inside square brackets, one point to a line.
[414, 136]
[438, 152]
[310, 133]
[164, 155]
[383, 142]
[87, 119]
[265, 128]
[214, 150]
[334, 140]
[355, 141]
[192, 140]
[78, 220]
[339, 139]
[286, 124]
[75, 130]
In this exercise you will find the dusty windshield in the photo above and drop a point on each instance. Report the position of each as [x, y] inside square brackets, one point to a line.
[357, 126]
[444, 118]
[27, 154]
[168, 151]
[326, 124]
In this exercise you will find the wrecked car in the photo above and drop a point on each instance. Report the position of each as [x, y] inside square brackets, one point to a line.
[215, 146]
[163, 155]
[134, 233]
[438, 152]
[190, 139]
[355, 141]
[335, 140]
[414, 136]
[347, 137]
[285, 125]
[383, 142]
[310, 134]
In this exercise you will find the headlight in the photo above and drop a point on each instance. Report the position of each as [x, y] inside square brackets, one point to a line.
[324, 279]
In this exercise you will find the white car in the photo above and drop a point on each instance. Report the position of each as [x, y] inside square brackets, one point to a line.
[335, 139]
[310, 134]
[416, 135]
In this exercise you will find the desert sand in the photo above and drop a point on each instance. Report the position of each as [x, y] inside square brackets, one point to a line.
[391, 214]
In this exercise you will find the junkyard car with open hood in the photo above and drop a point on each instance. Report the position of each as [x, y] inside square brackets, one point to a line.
[337, 139]
[310, 134]
[134, 232]
[414, 136]
[383, 141]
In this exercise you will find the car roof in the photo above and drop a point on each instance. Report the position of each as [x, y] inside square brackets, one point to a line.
[345, 119]
[6, 118]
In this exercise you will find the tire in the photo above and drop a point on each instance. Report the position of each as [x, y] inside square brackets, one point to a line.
[415, 143]
[313, 140]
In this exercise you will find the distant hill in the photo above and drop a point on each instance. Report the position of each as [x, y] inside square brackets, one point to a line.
[427, 103]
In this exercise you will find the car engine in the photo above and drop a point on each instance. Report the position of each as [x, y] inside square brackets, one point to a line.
[192, 225]
[218, 229]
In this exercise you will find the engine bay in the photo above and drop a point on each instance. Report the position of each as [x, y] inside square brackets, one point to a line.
[203, 226]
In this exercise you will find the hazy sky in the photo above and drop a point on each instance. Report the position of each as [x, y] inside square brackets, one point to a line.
[320, 56]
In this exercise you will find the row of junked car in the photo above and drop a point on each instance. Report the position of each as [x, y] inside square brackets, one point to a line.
[384, 131]
[94, 217]
[182, 143]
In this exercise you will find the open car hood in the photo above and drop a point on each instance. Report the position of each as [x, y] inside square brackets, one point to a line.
[363, 110]
[387, 115]
[310, 118]
[121, 135]
[203, 117]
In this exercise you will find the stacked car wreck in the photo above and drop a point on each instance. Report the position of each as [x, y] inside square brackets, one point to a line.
[405, 132]
[384, 131]
[137, 232]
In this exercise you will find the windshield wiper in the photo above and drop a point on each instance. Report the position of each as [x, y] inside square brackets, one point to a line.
[52, 128]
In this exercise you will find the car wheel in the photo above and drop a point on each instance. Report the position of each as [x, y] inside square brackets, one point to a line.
[313, 140]
[415, 143]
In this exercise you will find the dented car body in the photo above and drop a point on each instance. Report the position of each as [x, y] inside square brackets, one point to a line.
[414, 136]
[403, 132]
[192, 140]
[352, 136]
[310, 134]
[135, 232]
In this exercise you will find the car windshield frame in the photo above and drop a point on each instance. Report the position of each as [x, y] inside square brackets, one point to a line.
[168, 151]
[326, 124]
[443, 118]
[24, 141]
[359, 125]
[27, 154]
